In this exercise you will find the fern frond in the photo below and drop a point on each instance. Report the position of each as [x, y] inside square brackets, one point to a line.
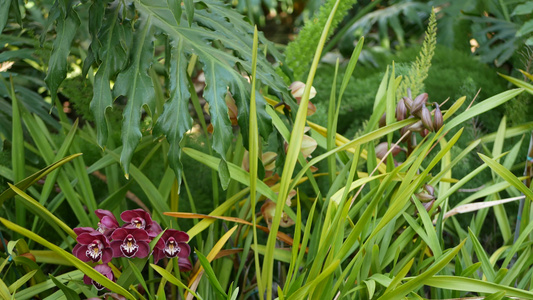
[420, 68]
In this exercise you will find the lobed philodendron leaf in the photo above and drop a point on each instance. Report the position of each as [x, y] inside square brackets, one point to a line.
[175, 119]
[208, 31]
[4, 13]
[214, 30]
[137, 86]
[108, 48]
[67, 27]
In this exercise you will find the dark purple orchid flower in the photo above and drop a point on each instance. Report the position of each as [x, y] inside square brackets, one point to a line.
[93, 246]
[80, 230]
[171, 244]
[108, 223]
[139, 218]
[130, 242]
[185, 264]
[104, 270]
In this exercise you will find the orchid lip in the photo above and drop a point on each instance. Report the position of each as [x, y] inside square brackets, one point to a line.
[171, 248]
[129, 247]
[93, 251]
[97, 285]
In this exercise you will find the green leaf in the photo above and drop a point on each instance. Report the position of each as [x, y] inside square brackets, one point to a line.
[482, 107]
[422, 279]
[4, 13]
[523, 9]
[67, 27]
[189, 10]
[68, 292]
[459, 283]
[211, 276]
[170, 278]
[21, 281]
[137, 86]
[525, 29]
[47, 285]
[217, 24]
[139, 277]
[175, 119]
[486, 266]
[507, 175]
[112, 37]
[28, 181]
[42, 212]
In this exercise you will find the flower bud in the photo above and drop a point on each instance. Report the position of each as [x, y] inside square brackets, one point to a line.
[416, 127]
[382, 149]
[408, 102]
[297, 90]
[383, 120]
[418, 103]
[425, 115]
[424, 132]
[401, 110]
[424, 197]
[430, 189]
[438, 120]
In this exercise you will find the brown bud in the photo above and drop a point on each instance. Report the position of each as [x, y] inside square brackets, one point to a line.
[418, 103]
[424, 132]
[416, 127]
[382, 149]
[424, 197]
[408, 102]
[438, 122]
[383, 120]
[430, 189]
[401, 110]
[425, 115]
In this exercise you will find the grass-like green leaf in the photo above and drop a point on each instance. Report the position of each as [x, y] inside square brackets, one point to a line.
[422, 279]
[68, 292]
[507, 175]
[42, 212]
[482, 256]
[459, 283]
[28, 181]
[210, 273]
[172, 279]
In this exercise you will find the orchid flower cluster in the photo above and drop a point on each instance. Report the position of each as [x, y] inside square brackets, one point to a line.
[130, 240]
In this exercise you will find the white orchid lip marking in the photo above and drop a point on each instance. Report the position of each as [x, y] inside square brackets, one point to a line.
[97, 285]
[129, 246]
[171, 248]
[94, 250]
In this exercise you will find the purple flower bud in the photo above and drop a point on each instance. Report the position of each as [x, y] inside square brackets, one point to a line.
[401, 110]
[439, 121]
[382, 149]
[425, 115]
[408, 102]
[383, 120]
[418, 103]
